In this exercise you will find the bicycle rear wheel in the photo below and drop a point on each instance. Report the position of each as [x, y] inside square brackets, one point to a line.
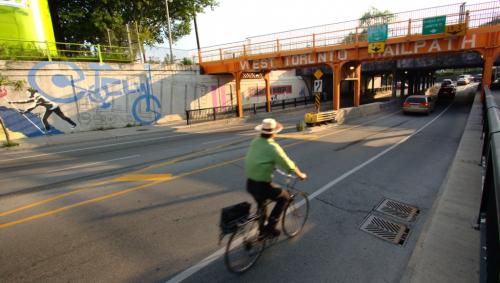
[295, 214]
[244, 248]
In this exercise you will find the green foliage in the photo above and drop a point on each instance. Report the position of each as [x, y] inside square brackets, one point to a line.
[9, 144]
[16, 84]
[300, 126]
[375, 16]
[186, 61]
[371, 17]
[93, 20]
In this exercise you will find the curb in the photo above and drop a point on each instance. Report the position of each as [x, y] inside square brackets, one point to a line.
[432, 259]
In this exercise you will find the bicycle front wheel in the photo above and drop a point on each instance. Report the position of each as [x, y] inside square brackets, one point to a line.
[244, 248]
[295, 214]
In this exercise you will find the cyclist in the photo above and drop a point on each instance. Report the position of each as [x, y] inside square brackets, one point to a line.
[262, 158]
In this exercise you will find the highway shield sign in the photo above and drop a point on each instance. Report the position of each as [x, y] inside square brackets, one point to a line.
[376, 47]
[455, 30]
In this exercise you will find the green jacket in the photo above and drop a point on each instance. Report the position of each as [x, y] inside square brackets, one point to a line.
[262, 158]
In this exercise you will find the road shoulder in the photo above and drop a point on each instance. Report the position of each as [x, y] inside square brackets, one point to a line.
[448, 247]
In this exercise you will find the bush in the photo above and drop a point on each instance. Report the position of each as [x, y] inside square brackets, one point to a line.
[300, 126]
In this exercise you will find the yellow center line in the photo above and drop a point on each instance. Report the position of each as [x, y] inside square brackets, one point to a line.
[108, 196]
[68, 207]
[5, 213]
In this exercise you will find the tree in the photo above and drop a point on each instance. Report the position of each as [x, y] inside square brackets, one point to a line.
[371, 17]
[93, 20]
[17, 85]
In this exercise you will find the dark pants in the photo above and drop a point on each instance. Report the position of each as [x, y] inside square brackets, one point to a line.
[262, 191]
[59, 113]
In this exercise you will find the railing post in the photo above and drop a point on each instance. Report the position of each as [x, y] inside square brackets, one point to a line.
[99, 53]
[215, 113]
[356, 37]
[254, 109]
[49, 56]
[283, 103]
[467, 19]
[244, 50]
[277, 45]
[295, 102]
[220, 53]
[187, 117]
[409, 27]
[314, 40]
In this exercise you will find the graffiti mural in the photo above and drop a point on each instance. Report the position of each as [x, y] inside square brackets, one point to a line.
[70, 87]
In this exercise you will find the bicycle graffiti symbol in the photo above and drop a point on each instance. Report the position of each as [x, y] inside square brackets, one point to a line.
[101, 92]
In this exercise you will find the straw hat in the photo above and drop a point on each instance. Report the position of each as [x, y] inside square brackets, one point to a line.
[269, 126]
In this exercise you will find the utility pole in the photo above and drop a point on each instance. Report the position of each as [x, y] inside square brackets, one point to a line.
[139, 42]
[169, 32]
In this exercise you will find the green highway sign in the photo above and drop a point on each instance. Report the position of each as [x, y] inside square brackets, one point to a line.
[433, 25]
[377, 33]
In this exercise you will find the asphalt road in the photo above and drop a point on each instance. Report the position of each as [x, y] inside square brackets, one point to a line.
[153, 215]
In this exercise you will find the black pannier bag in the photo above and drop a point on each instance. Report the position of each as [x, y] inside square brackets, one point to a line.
[233, 214]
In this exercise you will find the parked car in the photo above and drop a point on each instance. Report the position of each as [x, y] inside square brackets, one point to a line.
[447, 89]
[478, 78]
[419, 104]
[464, 79]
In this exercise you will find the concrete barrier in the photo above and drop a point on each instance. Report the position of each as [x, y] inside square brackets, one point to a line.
[347, 114]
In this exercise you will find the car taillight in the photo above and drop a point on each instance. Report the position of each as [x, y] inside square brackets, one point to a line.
[406, 104]
[424, 104]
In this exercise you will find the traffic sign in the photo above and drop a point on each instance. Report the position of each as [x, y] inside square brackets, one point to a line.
[318, 74]
[376, 47]
[433, 25]
[318, 86]
[317, 101]
[457, 29]
[377, 33]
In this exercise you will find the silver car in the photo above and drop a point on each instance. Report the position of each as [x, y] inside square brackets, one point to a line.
[419, 104]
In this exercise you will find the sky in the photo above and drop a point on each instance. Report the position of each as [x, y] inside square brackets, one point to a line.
[235, 20]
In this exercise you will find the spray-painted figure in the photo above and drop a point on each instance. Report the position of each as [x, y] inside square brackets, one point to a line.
[50, 107]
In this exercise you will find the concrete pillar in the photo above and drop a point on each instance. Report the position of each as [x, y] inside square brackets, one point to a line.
[373, 83]
[489, 60]
[411, 81]
[239, 101]
[268, 91]
[337, 79]
[357, 86]
[403, 82]
[395, 79]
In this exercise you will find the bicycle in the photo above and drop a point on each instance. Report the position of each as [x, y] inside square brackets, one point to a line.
[247, 238]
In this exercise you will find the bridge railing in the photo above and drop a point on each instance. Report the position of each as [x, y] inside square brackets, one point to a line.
[13, 49]
[399, 25]
[490, 202]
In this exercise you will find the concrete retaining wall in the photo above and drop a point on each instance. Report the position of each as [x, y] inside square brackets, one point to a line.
[98, 96]
[346, 114]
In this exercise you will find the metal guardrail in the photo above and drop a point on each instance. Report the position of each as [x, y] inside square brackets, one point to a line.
[12, 49]
[401, 24]
[224, 112]
[490, 201]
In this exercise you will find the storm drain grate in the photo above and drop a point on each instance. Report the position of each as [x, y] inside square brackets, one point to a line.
[384, 229]
[398, 209]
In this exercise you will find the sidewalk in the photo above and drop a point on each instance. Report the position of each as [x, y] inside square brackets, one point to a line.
[448, 247]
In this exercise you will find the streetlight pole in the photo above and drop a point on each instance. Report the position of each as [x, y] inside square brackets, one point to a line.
[169, 31]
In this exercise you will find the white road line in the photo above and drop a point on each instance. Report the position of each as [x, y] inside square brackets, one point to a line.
[93, 163]
[106, 145]
[206, 261]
